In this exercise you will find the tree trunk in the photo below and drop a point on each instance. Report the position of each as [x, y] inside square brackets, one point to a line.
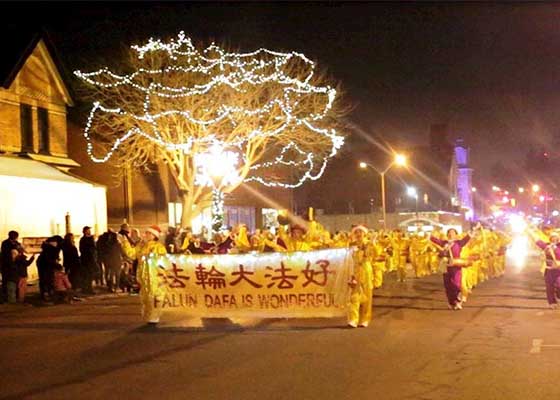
[187, 213]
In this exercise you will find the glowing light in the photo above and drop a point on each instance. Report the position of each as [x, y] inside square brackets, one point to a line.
[216, 168]
[517, 223]
[535, 188]
[218, 69]
[412, 192]
[518, 251]
[555, 213]
[363, 165]
[495, 188]
[473, 190]
[400, 160]
[505, 199]
[521, 190]
[541, 198]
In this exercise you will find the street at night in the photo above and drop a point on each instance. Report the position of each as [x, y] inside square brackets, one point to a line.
[504, 344]
[279, 200]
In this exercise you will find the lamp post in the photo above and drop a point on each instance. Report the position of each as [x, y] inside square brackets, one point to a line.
[217, 168]
[399, 160]
[412, 192]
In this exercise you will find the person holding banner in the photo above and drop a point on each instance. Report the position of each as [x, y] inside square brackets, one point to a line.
[551, 249]
[361, 282]
[148, 277]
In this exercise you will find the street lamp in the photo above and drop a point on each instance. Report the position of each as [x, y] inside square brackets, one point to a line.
[412, 192]
[398, 160]
[217, 168]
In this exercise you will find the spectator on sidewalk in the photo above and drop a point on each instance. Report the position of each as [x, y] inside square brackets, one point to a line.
[113, 260]
[88, 258]
[62, 286]
[49, 257]
[8, 245]
[71, 260]
[11, 276]
[21, 264]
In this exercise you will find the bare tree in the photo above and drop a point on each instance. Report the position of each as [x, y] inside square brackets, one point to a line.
[174, 102]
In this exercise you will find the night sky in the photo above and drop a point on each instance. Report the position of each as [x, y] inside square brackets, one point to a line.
[492, 72]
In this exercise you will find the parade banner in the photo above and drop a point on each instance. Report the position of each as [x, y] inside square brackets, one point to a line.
[267, 285]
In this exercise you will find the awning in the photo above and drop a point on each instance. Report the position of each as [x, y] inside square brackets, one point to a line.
[25, 168]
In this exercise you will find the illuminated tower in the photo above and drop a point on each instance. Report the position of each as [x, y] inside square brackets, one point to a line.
[462, 179]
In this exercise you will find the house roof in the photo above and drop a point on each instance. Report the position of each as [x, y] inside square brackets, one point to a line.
[26, 168]
[17, 50]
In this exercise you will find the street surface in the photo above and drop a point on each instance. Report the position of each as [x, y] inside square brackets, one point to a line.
[505, 344]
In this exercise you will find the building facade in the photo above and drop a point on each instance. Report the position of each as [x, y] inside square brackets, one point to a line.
[39, 196]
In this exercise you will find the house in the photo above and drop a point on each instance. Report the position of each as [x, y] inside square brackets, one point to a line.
[39, 196]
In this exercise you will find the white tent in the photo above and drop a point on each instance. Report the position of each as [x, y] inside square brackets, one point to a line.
[35, 199]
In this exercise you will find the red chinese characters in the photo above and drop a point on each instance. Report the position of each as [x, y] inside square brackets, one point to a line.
[243, 275]
[321, 273]
[212, 278]
[172, 279]
[285, 281]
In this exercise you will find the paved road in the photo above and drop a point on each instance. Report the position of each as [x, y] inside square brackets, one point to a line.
[504, 345]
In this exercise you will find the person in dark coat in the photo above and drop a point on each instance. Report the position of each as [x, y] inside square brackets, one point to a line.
[102, 250]
[113, 260]
[49, 257]
[71, 260]
[88, 259]
[6, 261]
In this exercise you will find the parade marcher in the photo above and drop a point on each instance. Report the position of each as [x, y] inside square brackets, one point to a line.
[88, 259]
[6, 261]
[148, 277]
[400, 245]
[362, 280]
[295, 241]
[379, 261]
[453, 247]
[71, 260]
[551, 250]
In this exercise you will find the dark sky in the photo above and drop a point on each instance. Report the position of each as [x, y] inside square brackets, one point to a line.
[491, 71]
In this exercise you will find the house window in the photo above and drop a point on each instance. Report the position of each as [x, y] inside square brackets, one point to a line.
[43, 117]
[26, 127]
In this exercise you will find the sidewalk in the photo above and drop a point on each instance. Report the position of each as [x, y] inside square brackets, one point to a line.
[33, 298]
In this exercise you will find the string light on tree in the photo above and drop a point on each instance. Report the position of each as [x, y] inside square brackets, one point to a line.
[272, 109]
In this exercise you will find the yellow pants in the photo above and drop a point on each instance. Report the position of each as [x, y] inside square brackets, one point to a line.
[378, 271]
[401, 268]
[422, 266]
[434, 262]
[359, 312]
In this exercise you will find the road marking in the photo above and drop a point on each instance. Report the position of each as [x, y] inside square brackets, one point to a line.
[538, 345]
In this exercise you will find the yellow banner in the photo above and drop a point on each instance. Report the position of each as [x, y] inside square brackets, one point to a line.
[267, 285]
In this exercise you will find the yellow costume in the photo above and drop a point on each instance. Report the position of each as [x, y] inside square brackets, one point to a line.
[379, 263]
[361, 296]
[148, 278]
